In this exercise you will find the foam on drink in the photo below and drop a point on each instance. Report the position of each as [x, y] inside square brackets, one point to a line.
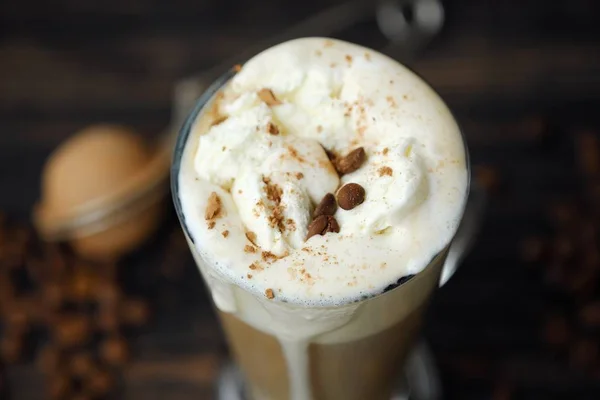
[258, 155]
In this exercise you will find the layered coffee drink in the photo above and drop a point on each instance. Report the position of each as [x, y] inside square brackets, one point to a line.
[319, 189]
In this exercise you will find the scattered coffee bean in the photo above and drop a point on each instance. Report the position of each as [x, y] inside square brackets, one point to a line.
[59, 386]
[503, 391]
[327, 206]
[99, 383]
[556, 330]
[49, 359]
[53, 295]
[81, 286]
[321, 225]
[583, 353]
[532, 249]
[114, 351]
[350, 195]
[11, 348]
[72, 330]
[487, 177]
[588, 148]
[135, 312]
[351, 162]
[589, 315]
[81, 364]
[108, 319]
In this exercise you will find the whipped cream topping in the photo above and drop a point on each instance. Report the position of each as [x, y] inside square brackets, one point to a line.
[261, 148]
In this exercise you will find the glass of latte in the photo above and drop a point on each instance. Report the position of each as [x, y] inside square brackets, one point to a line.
[320, 186]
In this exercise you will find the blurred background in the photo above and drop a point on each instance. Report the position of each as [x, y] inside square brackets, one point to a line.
[99, 297]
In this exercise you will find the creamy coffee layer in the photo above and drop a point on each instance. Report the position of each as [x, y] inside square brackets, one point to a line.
[305, 119]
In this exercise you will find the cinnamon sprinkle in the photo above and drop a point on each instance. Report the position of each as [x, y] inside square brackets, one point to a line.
[269, 293]
[385, 171]
[251, 236]
[268, 256]
[255, 267]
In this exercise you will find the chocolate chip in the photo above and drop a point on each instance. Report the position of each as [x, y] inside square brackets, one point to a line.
[321, 225]
[327, 206]
[350, 195]
[351, 162]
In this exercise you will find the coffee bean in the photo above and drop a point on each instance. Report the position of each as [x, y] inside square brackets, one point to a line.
[49, 359]
[11, 348]
[114, 351]
[135, 312]
[487, 177]
[583, 353]
[350, 195]
[53, 295]
[351, 162]
[99, 383]
[503, 391]
[327, 206]
[321, 225]
[108, 319]
[532, 249]
[556, 330]
[588, 148]
[590, 314]
[81, 287]
[72, 330]
[107, 293]
[81, 364]
[59, 387]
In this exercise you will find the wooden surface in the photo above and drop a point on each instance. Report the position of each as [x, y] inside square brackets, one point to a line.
[66, 64]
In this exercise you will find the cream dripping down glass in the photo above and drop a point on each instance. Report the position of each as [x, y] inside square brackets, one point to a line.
[319, 186]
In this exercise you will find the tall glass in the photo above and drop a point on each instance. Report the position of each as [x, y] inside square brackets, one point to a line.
[363, 363]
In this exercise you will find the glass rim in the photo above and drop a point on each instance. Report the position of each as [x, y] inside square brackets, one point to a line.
[205, 98]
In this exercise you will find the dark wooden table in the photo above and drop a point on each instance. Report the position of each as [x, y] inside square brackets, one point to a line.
[66, 64]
